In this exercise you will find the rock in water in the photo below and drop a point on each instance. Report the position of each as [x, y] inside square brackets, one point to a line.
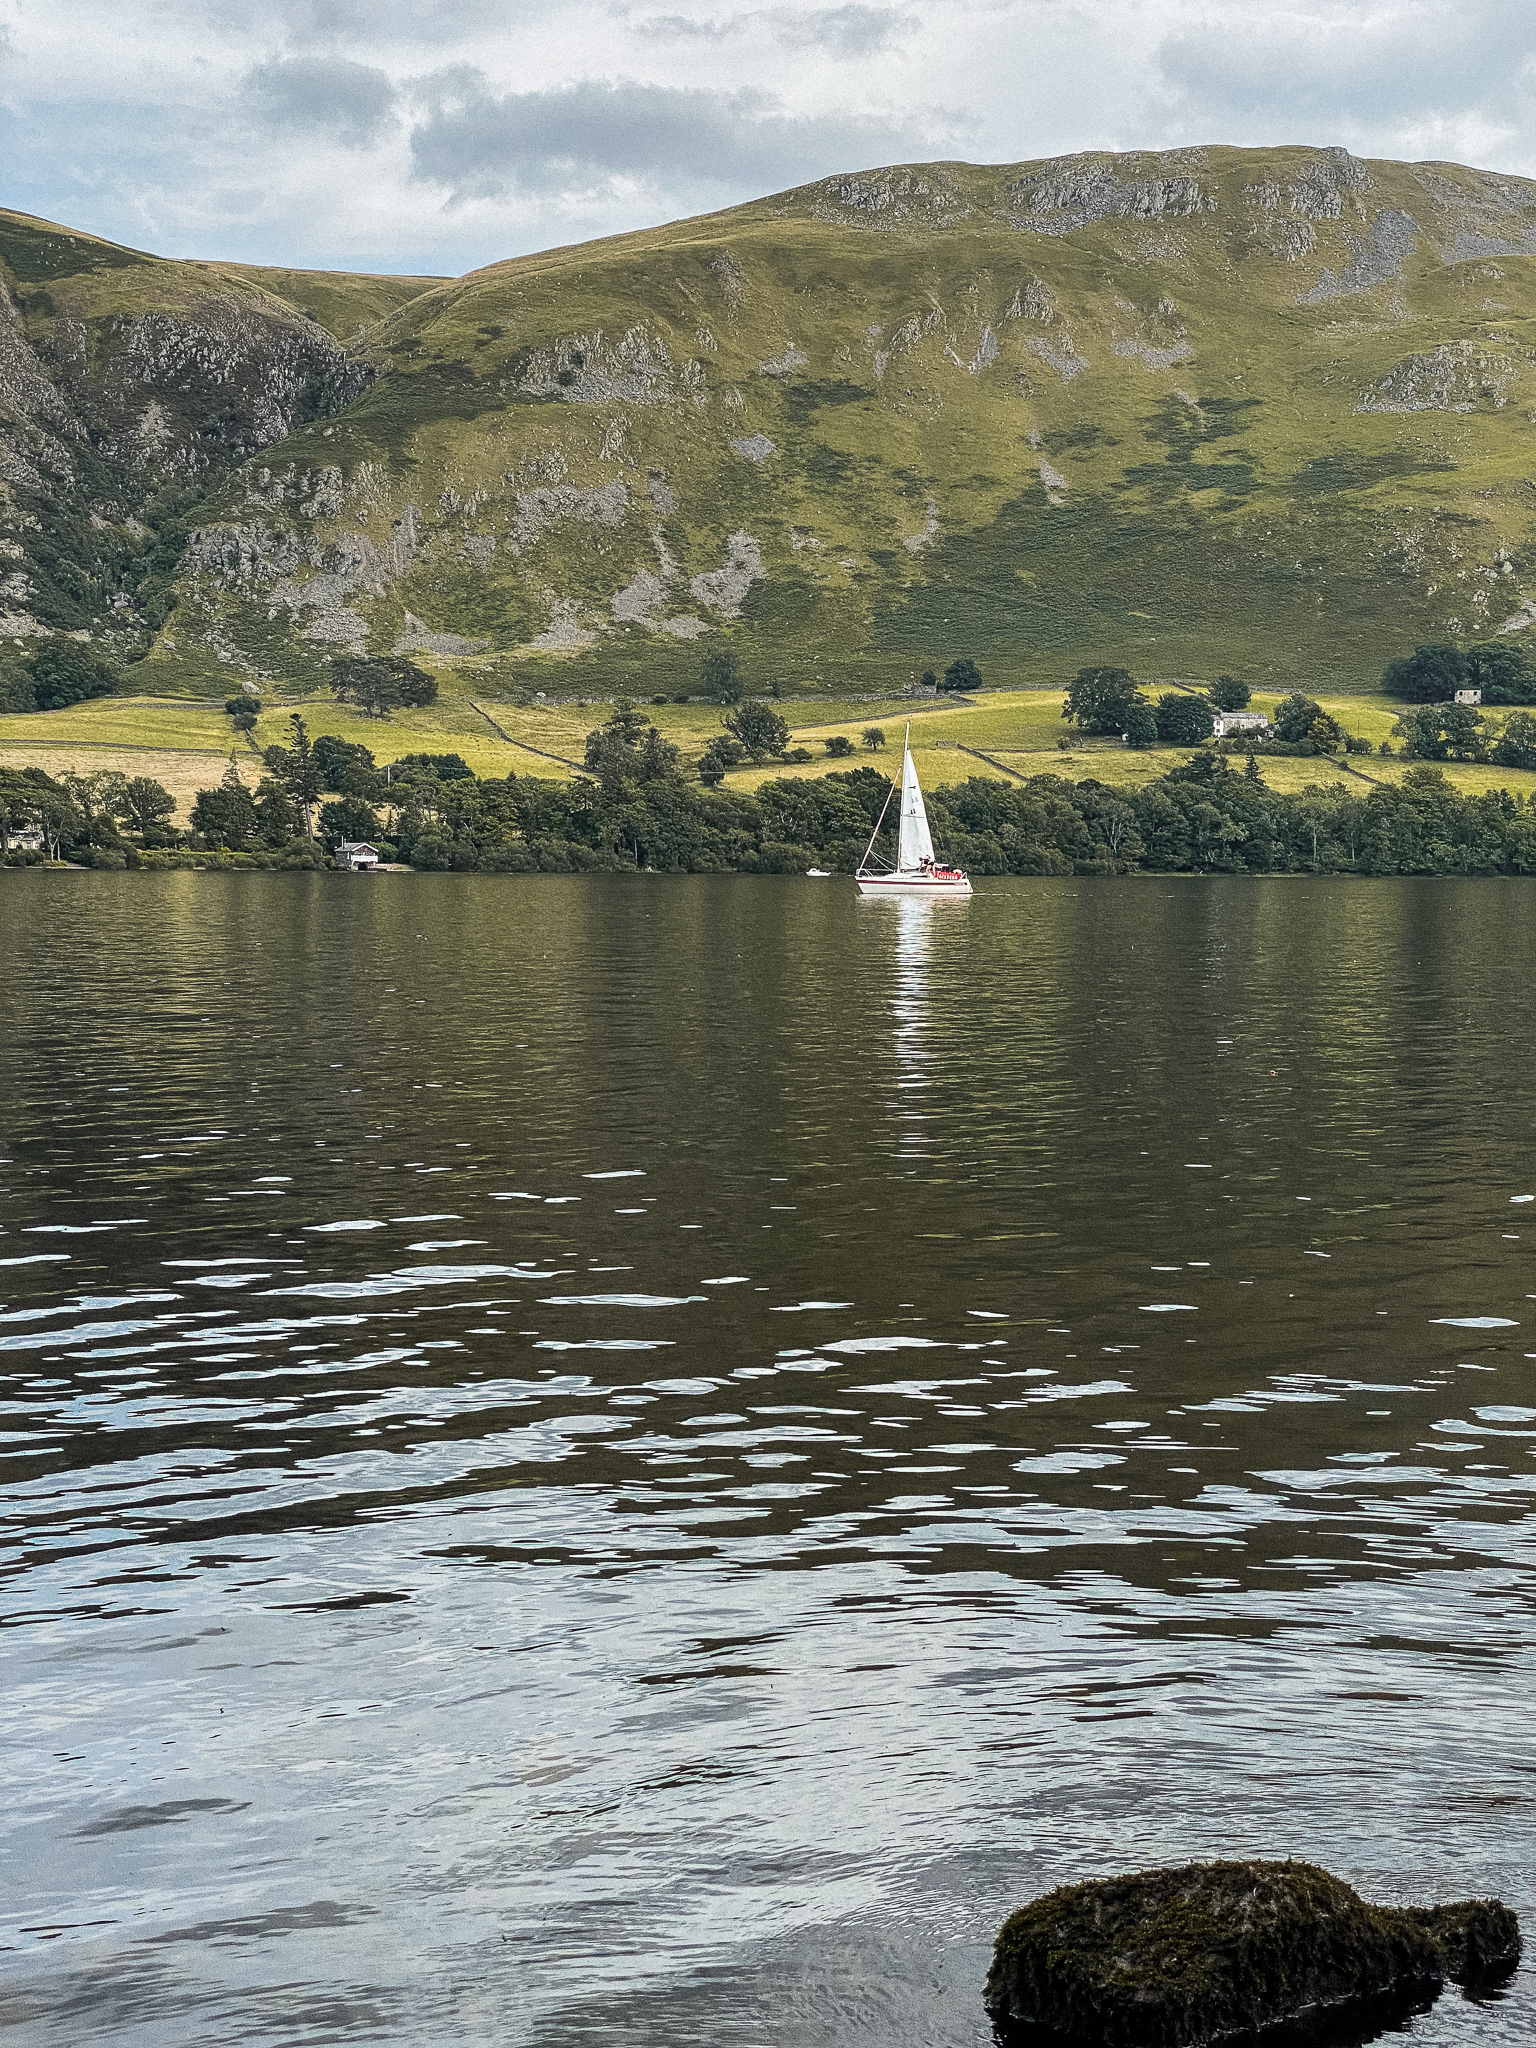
[1217, 1952]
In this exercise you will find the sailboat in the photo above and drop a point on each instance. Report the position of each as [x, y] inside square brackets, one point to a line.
[917, 873]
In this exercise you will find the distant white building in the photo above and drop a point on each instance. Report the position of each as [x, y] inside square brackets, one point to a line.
[1226, 723]
[1469, 696]
[25, 839]
[357, 854]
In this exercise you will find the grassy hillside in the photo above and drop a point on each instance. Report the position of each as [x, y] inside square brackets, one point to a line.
[1258, 410]
[1266, 411]
[347, 304]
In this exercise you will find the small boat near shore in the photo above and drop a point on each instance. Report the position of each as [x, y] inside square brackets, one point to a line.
[917, 872]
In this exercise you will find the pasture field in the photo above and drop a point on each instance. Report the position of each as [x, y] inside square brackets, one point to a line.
[1012, 734]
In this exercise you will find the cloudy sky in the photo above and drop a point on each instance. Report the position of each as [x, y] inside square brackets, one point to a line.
[435, 135]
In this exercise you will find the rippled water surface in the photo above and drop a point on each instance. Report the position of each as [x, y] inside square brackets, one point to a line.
[623, 1460]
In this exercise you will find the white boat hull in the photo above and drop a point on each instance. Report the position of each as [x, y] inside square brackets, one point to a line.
[914, 885]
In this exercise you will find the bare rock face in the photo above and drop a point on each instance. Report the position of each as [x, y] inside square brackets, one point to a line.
[1212, 1953]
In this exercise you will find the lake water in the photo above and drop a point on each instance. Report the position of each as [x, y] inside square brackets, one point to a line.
[638, 1461]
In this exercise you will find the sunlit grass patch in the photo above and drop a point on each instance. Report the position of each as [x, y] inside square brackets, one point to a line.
[183, 773]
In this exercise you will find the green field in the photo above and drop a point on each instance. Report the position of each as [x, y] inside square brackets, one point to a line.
[187, 745]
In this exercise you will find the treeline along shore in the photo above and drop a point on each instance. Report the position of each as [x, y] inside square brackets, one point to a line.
[633, 809]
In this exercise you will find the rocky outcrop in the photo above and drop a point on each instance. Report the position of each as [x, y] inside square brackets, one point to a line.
[589, 369]
[1379, 259]
[1456, 377]
[1220, 1952]
[124, 378]
[895, 197]
[1072, 192]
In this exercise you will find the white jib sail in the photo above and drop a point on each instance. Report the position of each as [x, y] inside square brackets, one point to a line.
[915, 842]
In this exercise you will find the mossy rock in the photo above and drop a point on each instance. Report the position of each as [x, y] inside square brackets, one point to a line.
[1223, 1952]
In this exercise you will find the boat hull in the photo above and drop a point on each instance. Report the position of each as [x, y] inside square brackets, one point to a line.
[914, 885]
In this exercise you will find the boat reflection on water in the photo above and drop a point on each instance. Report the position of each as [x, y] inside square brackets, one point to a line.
[916, 1038]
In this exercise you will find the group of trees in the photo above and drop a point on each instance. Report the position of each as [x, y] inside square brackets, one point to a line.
[1109, 701]
[1205, 817]
[753, 732]
[1433, 675]
[1460, 732]
[720, 677]
[326, 786]
[633, 808]
[379, 684]
[110, 820]
[1104, 701]
[57, 670]
[53, 672]
[96, 819]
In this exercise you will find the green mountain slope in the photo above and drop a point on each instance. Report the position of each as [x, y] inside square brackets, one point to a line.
[129, 386]
[1261, 410]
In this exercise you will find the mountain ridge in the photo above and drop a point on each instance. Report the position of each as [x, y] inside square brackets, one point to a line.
[1263, 410]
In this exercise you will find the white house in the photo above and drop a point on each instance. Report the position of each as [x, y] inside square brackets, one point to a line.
[357, 854]
[1469, 696]
[1226, 723]
[25, 839]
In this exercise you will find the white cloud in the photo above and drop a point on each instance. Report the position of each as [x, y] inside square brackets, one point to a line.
[402, 134]
[851, 31]
[1368, 70]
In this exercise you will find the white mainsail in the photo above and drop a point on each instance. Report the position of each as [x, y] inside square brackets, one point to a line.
[914, 843]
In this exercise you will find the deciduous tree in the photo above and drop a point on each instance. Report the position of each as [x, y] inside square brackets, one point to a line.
[962, 675]
[721, 754]
[1502, 672]
[628, 752]
[1182, 720]
[346, 767]
[1293, 717]
[760, 730]
[1515, 746]
[349, 817]
[1098, 699]
[1326, 734]
[145, 804]
[1140, 723]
